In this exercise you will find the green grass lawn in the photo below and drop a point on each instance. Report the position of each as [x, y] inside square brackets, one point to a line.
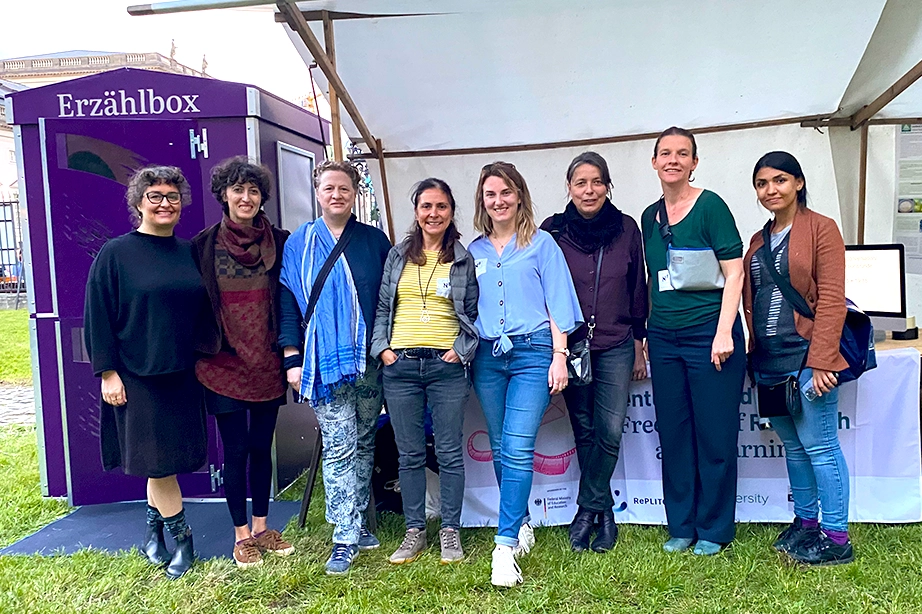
[15, 367]
[637, 576]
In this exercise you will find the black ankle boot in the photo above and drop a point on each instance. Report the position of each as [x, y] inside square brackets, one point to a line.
[581, 529]
[155, 546]
[182, 557]
[608, 532]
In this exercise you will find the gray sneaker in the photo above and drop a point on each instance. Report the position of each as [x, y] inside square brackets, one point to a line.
[414, 542]
[450, 540]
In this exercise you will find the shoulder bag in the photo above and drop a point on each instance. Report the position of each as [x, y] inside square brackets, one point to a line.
[690, 268]
[856, 343]
[579, 363]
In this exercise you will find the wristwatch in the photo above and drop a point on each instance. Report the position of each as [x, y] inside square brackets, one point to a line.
[564, 351]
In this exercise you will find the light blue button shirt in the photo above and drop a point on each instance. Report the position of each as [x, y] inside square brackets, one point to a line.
[521, 287]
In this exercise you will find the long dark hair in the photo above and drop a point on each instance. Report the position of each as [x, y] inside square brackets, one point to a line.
[415, 253]
[783, 161]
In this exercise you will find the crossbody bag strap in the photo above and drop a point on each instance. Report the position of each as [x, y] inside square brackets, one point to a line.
[317, 287]
[665, 231]
[595, 297]
[787, 290]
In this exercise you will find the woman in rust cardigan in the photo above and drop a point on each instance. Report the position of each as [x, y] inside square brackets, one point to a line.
[806, 250]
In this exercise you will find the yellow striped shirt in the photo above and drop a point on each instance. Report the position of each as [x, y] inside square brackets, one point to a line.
[442, 328]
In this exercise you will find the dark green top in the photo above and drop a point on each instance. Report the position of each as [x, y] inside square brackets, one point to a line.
[709, 223]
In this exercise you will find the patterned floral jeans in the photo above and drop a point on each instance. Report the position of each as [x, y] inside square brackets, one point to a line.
[348, 426]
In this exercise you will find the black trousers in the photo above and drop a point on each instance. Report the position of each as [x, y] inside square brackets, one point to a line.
[597, 413]
[247, 436]
[697, 415]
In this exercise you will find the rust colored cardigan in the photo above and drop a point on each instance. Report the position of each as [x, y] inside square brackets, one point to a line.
[816, 260]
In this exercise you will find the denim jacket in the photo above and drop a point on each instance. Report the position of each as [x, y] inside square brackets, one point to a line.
[464, 295]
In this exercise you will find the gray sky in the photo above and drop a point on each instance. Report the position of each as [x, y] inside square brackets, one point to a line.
[242, 45]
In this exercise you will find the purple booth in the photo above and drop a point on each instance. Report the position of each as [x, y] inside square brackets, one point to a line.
[78, 142]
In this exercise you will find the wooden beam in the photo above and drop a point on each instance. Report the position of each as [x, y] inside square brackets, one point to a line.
[337, 15]
[387, 197]
[588, 142]
[335, 125]
[862, 180]
[869, 111]
[296, 22]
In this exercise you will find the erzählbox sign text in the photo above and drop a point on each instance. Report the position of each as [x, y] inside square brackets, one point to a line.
[131, 94]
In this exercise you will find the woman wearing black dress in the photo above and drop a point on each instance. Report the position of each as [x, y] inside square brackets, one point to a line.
[143, 299]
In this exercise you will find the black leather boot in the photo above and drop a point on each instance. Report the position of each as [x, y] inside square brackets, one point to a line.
[608, 532]
[155, 546]
[183, 556]
[581, 529]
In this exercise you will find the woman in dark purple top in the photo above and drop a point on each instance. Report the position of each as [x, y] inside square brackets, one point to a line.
[592, 228]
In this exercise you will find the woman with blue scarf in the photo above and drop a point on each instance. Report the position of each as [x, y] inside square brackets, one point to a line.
[326, 351]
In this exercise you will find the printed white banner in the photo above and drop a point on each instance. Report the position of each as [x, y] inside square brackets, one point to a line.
[878, 432]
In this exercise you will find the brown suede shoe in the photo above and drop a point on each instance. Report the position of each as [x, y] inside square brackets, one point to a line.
[247, 553]
[271, 541]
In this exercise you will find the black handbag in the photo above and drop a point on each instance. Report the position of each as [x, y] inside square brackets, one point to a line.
[579, 362]
[781, 399]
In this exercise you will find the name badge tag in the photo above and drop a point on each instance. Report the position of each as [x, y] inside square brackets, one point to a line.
[480, 266]
[444, 288]
[665, 282]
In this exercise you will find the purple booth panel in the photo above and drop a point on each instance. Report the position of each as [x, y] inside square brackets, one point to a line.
[50, 426]
[34, 221]
[89, 483]
[88, 166]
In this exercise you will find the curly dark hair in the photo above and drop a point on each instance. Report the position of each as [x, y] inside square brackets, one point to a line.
[154, 175]
[237, 171]
[343, 167]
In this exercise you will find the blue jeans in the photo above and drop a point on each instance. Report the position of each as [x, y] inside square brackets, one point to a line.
[514, 394]
[410, 384]
[597, 413]
[816, 465]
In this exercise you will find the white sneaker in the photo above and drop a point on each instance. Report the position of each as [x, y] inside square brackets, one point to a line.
[506, 571]
[526, 540]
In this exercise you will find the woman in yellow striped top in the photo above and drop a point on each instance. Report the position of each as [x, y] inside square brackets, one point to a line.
[425, 336]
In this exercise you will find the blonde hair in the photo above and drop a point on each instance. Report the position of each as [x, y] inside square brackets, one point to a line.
[525, 226]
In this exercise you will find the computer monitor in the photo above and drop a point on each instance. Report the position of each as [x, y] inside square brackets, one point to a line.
[875, 280]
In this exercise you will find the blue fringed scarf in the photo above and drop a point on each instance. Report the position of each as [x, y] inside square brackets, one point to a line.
[334, 338]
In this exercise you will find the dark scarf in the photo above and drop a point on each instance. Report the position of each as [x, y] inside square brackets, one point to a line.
[598, 231]
[249, 245]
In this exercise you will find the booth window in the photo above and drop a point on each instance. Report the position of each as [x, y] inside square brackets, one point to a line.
[97, 157]
[296, 189]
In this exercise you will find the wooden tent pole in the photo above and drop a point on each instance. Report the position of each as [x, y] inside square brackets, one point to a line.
[862, 180]
[387, 197]
[295, 20]
[335, 122]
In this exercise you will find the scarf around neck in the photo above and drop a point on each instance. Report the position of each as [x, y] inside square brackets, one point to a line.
[334, 336]
[598, 231]
[249, 245]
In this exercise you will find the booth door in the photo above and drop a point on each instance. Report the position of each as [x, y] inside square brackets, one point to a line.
[87, 165]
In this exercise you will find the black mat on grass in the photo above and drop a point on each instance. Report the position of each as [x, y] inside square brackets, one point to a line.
[120, 526]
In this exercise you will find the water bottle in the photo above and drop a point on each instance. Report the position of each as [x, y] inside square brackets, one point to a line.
[810, 392]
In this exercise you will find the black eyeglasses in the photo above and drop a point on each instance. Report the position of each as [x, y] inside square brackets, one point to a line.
[155, 198]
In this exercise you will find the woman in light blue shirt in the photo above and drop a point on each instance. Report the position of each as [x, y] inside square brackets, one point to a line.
[527, 306]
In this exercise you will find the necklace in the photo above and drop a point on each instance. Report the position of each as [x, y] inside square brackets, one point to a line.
[424, 314]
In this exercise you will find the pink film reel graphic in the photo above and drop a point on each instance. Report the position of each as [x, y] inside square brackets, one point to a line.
[544, 464]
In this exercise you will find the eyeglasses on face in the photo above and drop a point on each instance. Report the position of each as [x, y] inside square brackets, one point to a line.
[155, 198]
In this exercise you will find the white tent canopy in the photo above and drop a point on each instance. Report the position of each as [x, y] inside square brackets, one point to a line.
[538, 81]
